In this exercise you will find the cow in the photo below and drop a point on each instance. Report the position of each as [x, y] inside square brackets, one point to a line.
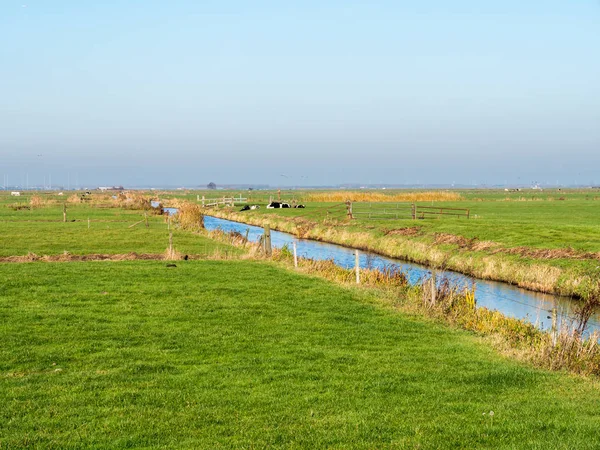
[299, 206]
[274, 205]
[249, 207]
[15, 194]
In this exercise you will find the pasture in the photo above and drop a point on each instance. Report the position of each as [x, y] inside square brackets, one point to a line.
[243, 353]
[137, 355]
[110, 230]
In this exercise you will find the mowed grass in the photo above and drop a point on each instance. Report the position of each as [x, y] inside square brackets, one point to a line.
[241, 354]
[110, 230]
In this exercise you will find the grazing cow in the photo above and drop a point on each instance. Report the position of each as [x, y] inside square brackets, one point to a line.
[299, 206]
[245, 208]
[15, 194]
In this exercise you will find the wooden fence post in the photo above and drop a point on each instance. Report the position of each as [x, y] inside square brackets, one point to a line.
[554, 326]
[414, 211]
[357, 266]
[295, 255]
[349, 209]
[268, 248]
[203, 201]
[433, 288]
[146, 219]
[64, 212]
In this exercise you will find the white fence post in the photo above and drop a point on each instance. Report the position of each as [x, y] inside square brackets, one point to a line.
[295, 255]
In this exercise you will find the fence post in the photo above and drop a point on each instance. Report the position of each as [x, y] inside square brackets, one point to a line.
[357, 266]
[349, 209]
[468, 213]
[433, 288]
[268, 248]
[203, 201]
[295, 255]
[171, 244]
[414, 211]
[64, 212]
[88, 223]
[146, 219]
[554, 326]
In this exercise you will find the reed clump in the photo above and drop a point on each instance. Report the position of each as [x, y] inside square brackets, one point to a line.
[74, 199]
[36, 201]
[134, 201]
[342, 196]
[189, 217]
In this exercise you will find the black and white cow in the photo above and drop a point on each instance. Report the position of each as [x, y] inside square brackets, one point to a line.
[274, 205]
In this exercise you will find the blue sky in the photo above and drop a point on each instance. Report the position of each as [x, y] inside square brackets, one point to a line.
[325, 92]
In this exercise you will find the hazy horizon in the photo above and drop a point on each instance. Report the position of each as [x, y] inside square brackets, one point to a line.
[321, 93]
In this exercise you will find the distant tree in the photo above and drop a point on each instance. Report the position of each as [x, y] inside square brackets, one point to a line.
[211, 185]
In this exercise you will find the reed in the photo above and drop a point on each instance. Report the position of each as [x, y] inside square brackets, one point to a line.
[36, 201]
[134, 201]
[189, 217]
[342, 196]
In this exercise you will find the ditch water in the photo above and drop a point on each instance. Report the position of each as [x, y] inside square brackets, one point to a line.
[511, 301]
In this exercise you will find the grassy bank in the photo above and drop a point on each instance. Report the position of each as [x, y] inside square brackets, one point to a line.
[208, 354]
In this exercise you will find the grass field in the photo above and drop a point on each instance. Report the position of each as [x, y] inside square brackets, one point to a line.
[211, 355]
[42, 231]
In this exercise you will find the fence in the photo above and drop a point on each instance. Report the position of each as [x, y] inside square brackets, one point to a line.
[222, 201]
[376, 210]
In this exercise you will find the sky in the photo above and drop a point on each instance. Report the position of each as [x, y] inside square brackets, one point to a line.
[317, 92]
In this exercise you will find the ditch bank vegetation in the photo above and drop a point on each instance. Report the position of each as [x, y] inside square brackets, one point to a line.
[523, 267]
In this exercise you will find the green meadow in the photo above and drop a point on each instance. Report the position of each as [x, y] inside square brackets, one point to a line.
[211, 354]
[93, 230]
[246, 353]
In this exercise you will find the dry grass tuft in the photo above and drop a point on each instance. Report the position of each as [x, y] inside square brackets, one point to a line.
[342, 196]
[74, 199]
[189, 217]
[133, 200]
[171, 254]
[37, 202]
